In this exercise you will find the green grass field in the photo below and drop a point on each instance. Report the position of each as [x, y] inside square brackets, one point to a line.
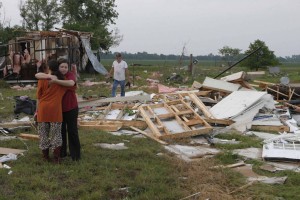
[145, 170]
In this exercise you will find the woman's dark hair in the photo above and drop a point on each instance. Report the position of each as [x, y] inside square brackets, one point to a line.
[42, 68]
[62, 60]
[53, 66]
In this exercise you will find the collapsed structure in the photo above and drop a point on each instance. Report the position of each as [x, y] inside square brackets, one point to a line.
[23, 53]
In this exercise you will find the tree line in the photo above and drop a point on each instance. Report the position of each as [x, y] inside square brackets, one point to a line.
[97, 15]
[83, 15]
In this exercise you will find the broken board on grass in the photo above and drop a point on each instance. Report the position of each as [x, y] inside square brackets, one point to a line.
[100, 125]
[119, 113]
[93, 103]
[5, 151]
[174, 119]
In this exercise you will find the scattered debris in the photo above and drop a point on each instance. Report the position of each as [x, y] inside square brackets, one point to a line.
[8, 157]
[188, 153]
[119, 146]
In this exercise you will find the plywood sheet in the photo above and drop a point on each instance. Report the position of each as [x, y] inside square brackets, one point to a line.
[9, 150]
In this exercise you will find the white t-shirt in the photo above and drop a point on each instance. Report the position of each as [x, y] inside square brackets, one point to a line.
[119, 70]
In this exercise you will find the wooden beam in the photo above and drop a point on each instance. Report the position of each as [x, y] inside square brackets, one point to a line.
[193, 122]
[201, 106]
[9, 150]
[15, 124]
[101, 127]
[141, 98]
[148, 135]
[291, 93]
[127, 123]
[270, 128]
[165, 116]
[276, 92]
[151, 125]
[186, 134]
[29, 136]
[219, 121]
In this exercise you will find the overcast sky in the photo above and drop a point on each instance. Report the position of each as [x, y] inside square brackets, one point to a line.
[203, 26]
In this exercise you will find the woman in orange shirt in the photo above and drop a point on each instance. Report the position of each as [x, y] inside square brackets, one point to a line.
[49, 117]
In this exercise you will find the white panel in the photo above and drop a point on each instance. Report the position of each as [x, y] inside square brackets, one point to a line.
[221, 85]
[235, 103]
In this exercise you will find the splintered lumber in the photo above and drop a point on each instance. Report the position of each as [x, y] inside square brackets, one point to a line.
[128, 123]
[98, 102]
[148, 135]
[153, 128]
[185, 134]
[219, 121]
[229, 166]
[201, 105]
[297, 108]
[15, 124]
[277, 91]
[270, 128]
[9, 150]
[102, 125]
[29, 136]
[263, 84]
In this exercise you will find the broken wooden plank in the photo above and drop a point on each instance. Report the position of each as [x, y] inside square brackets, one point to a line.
[15, 124]
[141, 98]
[151, 125]
[264, 83]
[230, 165]
[165, 116]
[192, 122]
[127, 123]
[5, 151]
[148, 135]
[201, 106]
[29, 136]
[270, 128]
[100, 125]
[186, 134]
[297, 108]
[219, 121]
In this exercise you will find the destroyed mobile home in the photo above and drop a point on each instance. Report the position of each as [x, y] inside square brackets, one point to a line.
[19, 63]
[199, 113]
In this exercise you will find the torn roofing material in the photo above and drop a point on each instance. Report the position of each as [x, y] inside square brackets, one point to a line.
[96, 64]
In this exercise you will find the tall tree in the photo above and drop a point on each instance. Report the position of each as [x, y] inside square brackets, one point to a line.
[262, 58]
[40, 14]
[229, 54]
[6, 32]
[92, 16]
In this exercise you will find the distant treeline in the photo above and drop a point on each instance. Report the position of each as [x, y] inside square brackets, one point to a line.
[209, 57]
